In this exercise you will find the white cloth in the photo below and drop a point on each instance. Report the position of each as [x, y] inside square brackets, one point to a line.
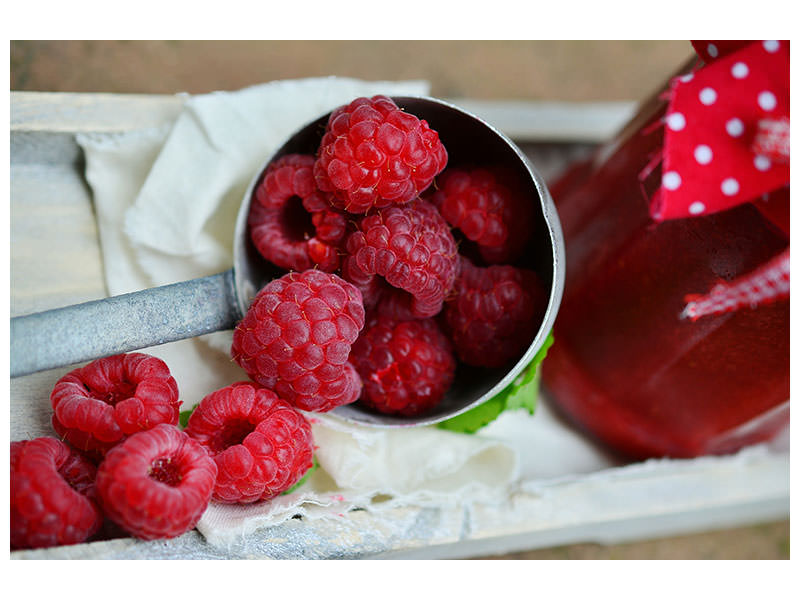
[166, 201]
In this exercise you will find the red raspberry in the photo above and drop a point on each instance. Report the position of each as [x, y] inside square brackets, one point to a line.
[157, 483]
[412, 248]
[97, 405]
[296, 337]
[406, 366]
[52, 495]
[15, 452]
[374, 154]
[495, 313]
[261, 444]
[291, 221]
[488, 208]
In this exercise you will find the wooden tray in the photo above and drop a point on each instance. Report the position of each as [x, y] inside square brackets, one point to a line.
[56, 260]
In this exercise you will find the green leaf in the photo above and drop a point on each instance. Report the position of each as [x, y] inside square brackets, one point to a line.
[183, 416]
[475, 418]
[522, 393]
[314, 466]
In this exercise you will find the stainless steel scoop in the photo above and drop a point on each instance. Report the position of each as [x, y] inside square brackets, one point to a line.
[128, 322]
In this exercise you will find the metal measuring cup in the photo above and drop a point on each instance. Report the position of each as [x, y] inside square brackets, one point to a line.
[128, 322]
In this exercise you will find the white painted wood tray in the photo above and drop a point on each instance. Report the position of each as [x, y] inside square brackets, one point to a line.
[56, 260]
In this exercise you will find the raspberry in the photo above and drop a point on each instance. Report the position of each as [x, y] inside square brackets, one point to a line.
[412, 248]
[495, 313]
[291, 221]
[295, 339]
[52, 495]
[15, 452]
[488, 208]
[98, 405]
[374, 154]
[406, 366]
[261, 444]
[157, 483]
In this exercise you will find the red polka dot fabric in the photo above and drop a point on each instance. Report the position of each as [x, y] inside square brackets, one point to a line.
[724, 127]
[710, 50]
[726, 142]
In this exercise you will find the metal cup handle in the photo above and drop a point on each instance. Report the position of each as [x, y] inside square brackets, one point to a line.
[123, 323]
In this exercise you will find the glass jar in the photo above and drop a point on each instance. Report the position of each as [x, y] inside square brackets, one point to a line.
[624, 366]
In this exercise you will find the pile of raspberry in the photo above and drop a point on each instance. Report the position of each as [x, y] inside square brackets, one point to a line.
[399, 267]
[121, 462]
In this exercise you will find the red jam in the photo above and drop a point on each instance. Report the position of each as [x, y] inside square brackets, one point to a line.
[624, 366]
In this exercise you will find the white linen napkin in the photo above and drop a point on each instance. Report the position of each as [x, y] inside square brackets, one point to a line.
[166, 200]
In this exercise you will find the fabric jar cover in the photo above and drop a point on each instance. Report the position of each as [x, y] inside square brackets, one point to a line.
[727, 143]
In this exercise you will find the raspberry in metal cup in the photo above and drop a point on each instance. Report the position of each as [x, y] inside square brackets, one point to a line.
[159, 315]
[469, 140]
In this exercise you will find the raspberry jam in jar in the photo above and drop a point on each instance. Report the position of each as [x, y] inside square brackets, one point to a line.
[624, 366]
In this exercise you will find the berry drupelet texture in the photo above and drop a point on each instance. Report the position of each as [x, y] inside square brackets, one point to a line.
[157, 483]
[291, 221]
[96, 406]
[489, 208]
[411, 249]
[406, 366]
[296, 337]
[52, 495]
[494, 313]
[262, 446]
[374, 154]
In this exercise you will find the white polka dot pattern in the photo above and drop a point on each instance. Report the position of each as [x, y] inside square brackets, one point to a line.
[676, 121]
[726, 143]
[739, 70]
[671, 180]
[767, 100]
[703, 154]
[725, 129]
[730, 186]
[697, 208]
[708, 96]
[762, 163]
[734, 127]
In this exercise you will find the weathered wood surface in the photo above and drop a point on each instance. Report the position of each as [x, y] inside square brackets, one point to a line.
[55, 261]
[521, 120]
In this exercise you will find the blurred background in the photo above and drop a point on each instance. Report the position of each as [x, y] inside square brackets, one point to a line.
[533, 70]
[524, 70]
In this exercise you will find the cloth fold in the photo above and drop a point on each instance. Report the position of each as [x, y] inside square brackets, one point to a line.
[166, 201]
